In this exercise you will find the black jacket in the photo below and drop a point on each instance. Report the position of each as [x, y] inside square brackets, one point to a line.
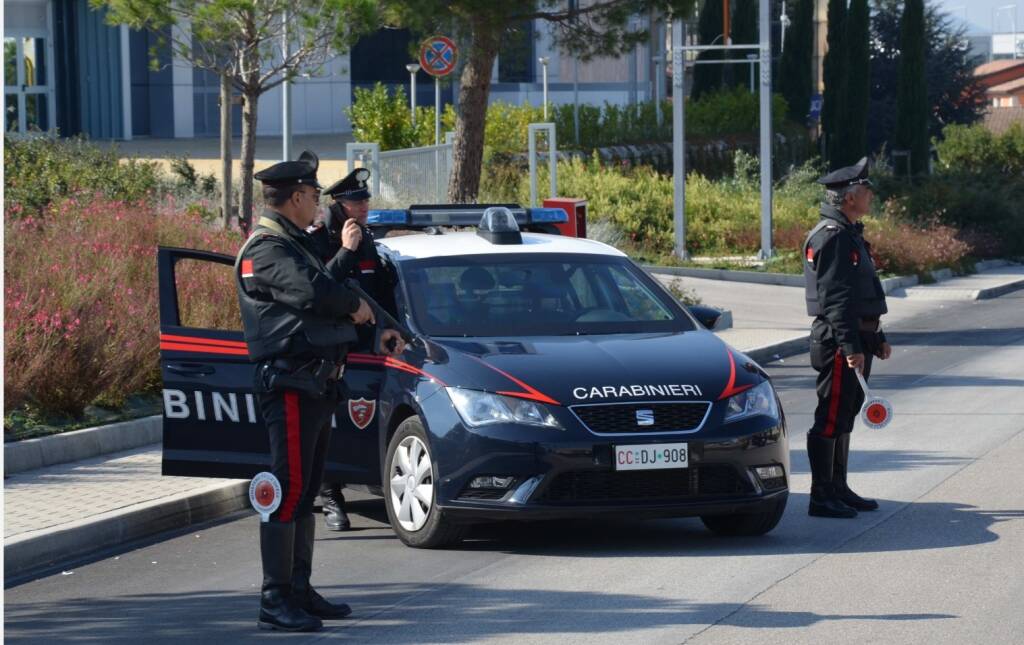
[293, 305]
[363, 264]
[842, 288]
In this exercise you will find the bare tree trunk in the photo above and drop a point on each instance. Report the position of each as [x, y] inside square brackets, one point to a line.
[225, 149]
[249, 99]
[475, 86]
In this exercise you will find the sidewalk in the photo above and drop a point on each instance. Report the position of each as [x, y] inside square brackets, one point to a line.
[204, 152]
[58, 513]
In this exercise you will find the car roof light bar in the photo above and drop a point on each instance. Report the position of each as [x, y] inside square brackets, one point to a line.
[424, 216]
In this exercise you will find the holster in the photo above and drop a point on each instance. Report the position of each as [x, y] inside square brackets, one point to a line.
[317, 378]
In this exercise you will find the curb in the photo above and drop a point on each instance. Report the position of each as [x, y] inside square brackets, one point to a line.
[995, 292]
[76, 445]
[30, 552]
[782, 349]
[730, 275]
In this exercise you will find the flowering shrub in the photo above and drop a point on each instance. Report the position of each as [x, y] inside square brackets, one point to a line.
[81, 299]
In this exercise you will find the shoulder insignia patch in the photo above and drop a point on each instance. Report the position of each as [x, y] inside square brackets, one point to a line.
[855, 258]
[247, 269]
[810, 255]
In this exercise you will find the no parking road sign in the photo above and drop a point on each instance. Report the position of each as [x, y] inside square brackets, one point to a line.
[438, 56]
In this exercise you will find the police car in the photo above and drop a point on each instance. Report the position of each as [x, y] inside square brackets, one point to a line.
[551, 377]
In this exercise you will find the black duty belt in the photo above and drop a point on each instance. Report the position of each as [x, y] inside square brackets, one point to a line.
[336, 370]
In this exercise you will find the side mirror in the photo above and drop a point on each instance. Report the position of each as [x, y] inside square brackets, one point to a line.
[707, 316]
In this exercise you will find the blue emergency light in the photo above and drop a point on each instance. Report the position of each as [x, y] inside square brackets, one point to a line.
[423, 216]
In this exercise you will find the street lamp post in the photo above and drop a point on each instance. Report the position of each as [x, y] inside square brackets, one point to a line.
[543, 60]
[412, 68]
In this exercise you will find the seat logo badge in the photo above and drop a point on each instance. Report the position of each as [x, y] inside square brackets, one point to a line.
[645, 417]
[360, 411]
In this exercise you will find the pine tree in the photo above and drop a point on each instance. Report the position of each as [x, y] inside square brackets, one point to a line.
[708, 78]
[834, 70]
[795, 82]
[912, 112]
[851, 137]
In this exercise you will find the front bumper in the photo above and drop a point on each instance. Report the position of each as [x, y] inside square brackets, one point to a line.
[570, 473]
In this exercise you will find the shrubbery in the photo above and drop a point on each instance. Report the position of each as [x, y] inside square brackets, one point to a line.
[977, 188]
[383, 117]
[723, 217]
[81, 299]
[40, 171]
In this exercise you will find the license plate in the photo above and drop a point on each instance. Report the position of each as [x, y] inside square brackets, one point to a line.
[654, 456]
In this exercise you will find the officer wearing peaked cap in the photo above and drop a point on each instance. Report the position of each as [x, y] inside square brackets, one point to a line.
[345, 235]
[299, 319]
[847, 301]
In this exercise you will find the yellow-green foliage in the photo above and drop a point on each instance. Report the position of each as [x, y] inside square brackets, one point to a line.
[721, 216]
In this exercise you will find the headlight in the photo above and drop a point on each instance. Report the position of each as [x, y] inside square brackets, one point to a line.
[482, 408]
[757, 400]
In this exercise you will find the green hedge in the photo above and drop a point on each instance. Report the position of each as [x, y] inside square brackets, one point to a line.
[42, 170]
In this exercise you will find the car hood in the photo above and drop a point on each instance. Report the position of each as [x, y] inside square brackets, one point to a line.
[569, 370]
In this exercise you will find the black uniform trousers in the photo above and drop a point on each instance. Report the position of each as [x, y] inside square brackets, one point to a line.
[300, 433]
[839, 393]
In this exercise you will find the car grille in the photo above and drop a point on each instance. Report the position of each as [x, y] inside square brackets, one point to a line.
[645, 485]
[622, 417]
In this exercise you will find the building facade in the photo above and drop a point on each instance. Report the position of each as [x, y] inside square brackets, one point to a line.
[66, 69]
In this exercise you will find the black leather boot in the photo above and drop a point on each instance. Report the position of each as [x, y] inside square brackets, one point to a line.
[335, 517]
[277, 608]
[824, 500]
[848, 497]
[303, 592]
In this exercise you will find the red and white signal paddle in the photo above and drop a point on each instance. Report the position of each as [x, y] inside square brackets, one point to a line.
[876, 413]
[265, 494]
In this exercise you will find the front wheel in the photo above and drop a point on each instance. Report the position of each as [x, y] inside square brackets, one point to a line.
[746, 524]
[410, 490]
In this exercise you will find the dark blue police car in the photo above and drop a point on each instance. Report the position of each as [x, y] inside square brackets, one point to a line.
[552, 378]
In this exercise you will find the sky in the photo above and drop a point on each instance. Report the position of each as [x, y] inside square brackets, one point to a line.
[980, 14]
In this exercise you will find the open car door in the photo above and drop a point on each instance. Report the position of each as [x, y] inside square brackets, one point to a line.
[212, 426]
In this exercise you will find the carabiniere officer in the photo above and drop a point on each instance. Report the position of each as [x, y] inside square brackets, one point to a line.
[299, 320]
[344, 235]
[846, 299]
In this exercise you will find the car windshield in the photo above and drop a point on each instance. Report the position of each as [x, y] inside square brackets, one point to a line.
[537, 295]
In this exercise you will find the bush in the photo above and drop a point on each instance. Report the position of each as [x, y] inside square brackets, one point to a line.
[976, 150]
[978, 188]
[723, 217]
[81, 300]
[41, 170]
[383, 117]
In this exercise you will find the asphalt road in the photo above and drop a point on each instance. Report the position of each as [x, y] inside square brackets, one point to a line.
[940, 562]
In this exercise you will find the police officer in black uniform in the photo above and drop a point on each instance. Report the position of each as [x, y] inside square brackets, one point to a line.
[299, 320]
[345, 236]
[846, 299]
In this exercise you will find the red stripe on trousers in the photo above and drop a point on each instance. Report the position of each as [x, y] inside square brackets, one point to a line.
[833, 404]
[291, 422]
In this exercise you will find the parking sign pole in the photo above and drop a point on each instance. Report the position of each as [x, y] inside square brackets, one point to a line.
[437, 110]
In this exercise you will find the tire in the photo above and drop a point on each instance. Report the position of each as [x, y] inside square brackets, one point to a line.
[410, 490]
[747, 524]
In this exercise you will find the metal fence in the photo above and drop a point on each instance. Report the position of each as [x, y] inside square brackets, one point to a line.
[400, 178]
